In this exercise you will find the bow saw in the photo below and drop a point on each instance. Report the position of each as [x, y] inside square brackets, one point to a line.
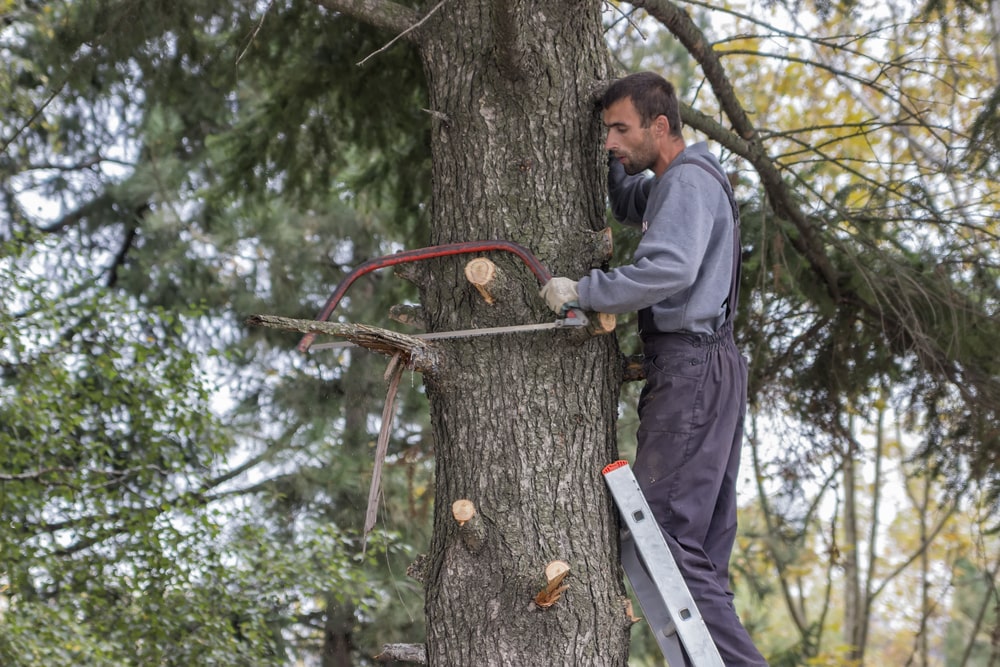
[574, 317]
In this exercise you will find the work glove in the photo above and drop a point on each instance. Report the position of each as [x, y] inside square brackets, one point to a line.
[560, 294]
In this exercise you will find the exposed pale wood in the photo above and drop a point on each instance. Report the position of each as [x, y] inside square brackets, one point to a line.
[598, 324]
[555, 573]
[463, 510]
[601, 323]
[630, 612]
[412, 653]
[482, 273]
[471, 528]
[392, 374]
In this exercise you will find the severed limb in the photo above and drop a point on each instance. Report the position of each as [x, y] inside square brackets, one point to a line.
[601, 323]
[416, 353]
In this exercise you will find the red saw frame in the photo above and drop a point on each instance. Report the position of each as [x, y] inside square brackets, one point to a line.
[420, 254]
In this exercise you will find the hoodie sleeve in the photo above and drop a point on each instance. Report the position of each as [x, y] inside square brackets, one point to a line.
[627, 195]
[667, 260]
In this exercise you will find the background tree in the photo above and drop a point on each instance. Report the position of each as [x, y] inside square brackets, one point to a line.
[920, 561]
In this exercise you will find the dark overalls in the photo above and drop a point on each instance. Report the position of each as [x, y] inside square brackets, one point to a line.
[691, 414]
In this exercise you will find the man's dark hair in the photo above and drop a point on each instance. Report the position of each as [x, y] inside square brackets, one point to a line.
[652, 96]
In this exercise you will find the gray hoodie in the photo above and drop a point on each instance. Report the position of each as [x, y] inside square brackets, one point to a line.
[683, 266]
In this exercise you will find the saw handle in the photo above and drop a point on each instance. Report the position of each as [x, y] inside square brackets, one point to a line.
[420, 254]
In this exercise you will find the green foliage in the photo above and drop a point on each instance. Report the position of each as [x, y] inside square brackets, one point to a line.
[121, 543]
[203, 153]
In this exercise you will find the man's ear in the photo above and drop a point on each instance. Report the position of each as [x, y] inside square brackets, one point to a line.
[662, 125]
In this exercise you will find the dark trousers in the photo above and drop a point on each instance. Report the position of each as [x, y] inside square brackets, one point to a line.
[691, 413]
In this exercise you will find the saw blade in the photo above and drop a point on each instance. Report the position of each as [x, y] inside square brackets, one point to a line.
[460, 333]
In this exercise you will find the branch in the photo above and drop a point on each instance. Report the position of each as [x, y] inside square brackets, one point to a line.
[117, 474]
[33, 475]
[745, 142]
[403, 34]
[679, 23]
[193, 498]
[393, 373]
[922, 547]
[383, 14]
[416, 353]
[78, 215]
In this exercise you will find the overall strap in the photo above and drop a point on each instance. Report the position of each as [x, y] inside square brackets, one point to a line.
[734, 286]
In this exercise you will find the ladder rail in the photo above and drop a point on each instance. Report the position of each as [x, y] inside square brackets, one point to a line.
[655, 577]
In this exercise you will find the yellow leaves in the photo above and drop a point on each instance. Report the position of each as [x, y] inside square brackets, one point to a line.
[851, 97]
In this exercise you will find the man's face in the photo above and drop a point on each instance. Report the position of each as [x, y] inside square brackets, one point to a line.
[633, 145]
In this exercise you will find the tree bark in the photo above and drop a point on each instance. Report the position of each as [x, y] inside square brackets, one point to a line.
[522, 424]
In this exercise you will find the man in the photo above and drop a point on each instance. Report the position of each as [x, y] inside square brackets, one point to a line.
[683, 281]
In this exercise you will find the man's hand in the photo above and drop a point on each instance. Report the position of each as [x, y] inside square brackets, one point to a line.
[616, 174]
[560, 295]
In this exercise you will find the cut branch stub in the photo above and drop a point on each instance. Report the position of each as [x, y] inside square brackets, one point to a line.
[412, 316]
[632, 369]
[482, 273]
[601, 323]
[555, 573]
[630, 612]
[412, 653]
[417, 570]
[463, 510]
[603, 245]
[598, 324]
[471, 528]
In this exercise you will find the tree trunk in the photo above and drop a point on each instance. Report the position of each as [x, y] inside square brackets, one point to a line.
[523, 423]
[853, 615]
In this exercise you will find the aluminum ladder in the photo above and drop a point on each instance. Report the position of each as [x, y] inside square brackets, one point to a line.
[658, 584]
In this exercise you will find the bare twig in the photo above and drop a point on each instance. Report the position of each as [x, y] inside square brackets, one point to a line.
[402, 34]
[393, 373]
[256, 31]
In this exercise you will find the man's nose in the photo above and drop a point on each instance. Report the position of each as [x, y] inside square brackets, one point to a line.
[610, 145]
